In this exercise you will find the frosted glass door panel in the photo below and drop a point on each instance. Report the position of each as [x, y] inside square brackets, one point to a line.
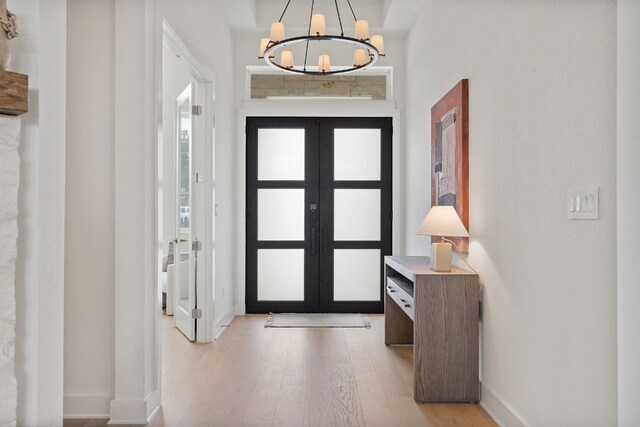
[281, 214]
[281, 154]
[356, 275]
[280, 274]
[356, 155]
[356, 214]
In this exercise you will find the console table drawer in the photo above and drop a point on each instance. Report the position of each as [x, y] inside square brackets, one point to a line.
[401, 297]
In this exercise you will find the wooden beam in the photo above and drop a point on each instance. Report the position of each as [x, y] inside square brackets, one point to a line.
[14, 93]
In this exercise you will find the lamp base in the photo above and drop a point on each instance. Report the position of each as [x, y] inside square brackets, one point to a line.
[441, 257]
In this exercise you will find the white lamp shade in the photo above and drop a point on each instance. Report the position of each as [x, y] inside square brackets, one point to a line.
[324, 64]
[286, 59]
[443, 221]
[318, 25]
[362, 30]
[359, 57]
[277, 32]
[378, 42]
[263, 46]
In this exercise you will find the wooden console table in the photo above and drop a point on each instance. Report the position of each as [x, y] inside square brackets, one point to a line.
[439, 314]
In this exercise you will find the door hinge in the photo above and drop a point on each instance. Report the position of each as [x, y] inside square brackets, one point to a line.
[197, 177]
[196, 245]
[196, 313]
[196, 110]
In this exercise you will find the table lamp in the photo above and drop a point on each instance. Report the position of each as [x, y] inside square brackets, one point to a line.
[442, 221]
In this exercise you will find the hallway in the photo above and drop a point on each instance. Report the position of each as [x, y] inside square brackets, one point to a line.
[294, 377]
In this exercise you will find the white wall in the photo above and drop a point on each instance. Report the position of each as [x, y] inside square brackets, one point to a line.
[90, 227]
[175, 78]
[542, 119]
[40, 52]
[628, 207]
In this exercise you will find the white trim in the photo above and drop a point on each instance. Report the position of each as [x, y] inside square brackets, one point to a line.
[128, 412]
[498, 410]
[154, 400]
[223, 323]
[135, 411]
[177, 46]
[86, 406]
[239, 310]
[310, 108]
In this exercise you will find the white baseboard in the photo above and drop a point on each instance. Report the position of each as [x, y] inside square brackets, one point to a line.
[223, 323]
[134, 411]
[240, 309]
[86, 406]
[154, 401]
[498, 410]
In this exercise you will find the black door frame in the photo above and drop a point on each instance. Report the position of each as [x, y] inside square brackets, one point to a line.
[318, 185]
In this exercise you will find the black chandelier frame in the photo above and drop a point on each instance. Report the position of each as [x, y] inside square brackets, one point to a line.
[272, 47]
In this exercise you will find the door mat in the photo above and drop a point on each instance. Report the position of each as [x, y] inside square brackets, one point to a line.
[317, 320]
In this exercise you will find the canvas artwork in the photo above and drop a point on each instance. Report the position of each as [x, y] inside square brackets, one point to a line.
[450, 155]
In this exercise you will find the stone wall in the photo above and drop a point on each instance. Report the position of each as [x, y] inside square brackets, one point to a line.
[271, 85]
[9, 183]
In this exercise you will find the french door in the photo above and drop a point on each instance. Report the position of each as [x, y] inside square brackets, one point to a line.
[318, 213]
[189, 218]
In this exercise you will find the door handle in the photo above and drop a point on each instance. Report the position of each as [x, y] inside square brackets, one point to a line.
[324, 241]
[313, 241]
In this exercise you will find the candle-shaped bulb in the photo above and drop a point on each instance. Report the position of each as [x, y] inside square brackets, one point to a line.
[277, 32]
[286, 59]
[324, 64]
[318, 25]
[362, 30]
[263, 46]
[378, 42]
[359, 58]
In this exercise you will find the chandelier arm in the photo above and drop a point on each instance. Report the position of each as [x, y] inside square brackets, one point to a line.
[311, 17]
[306, 52]
[352, 12]
[339, 19]
[284, 11]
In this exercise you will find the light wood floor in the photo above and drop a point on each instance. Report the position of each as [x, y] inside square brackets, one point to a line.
[254, 376]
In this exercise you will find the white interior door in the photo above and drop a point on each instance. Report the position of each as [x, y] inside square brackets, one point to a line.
[187, 226]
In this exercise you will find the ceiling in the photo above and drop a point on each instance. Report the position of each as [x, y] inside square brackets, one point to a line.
[390, 15]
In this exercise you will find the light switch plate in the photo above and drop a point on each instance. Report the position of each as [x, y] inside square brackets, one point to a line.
[582, 203]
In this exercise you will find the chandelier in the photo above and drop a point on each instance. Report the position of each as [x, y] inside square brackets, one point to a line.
[366, 52]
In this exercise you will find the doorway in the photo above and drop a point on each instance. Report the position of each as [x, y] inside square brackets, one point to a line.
[187, 190]
[319, 213]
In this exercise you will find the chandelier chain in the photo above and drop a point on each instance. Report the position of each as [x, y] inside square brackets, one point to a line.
[339, 19]
[352, 12]
[306, 51]
[284, 11]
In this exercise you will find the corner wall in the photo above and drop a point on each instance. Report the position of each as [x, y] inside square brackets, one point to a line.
[628, 208]
[90, 227]
[542, 119]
